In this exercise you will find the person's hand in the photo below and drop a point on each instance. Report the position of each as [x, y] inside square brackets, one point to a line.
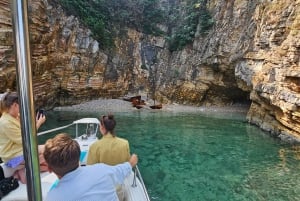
[133, 160]
[40, 121]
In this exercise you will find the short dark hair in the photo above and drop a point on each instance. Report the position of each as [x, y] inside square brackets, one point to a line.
[62, 154]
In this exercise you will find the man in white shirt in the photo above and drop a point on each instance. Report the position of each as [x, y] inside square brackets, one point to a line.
[84, 183]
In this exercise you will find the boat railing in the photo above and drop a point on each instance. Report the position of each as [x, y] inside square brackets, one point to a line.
[54, 129]
[138, 174]
[90, 122]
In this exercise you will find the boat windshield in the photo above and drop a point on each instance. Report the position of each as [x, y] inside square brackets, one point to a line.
[87, 126]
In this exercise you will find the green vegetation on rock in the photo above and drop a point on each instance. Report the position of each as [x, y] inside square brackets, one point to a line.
[110, 18]
[196, 13]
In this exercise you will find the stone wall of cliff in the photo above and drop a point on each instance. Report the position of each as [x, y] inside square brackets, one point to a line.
[250, 55]
[273, 66]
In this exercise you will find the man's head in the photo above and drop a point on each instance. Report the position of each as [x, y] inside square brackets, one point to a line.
[62, 154]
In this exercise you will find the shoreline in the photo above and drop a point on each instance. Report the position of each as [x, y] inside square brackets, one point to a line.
[119, 105]
[238, 111]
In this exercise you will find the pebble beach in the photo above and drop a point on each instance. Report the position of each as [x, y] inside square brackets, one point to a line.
[119, 105]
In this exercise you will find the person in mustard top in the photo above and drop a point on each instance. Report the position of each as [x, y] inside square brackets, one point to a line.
[11, 149]
[110, 149]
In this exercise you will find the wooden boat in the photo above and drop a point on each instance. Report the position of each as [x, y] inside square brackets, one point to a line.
[138, 106]
[130, 99]
[134, 185]
[138, 103]
[159, 106]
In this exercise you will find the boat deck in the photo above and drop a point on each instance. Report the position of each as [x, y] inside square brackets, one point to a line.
[48, 180]
[20, 194]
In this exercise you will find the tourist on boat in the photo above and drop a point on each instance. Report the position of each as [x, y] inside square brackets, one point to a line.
[110, 149]
[11, 149]
[84, 183]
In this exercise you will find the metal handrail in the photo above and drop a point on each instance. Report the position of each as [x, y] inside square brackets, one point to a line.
[66, 126]
[134, 178]
[55, 129]
[137, 172]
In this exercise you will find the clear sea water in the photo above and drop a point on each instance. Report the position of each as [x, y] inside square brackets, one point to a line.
[203, 156]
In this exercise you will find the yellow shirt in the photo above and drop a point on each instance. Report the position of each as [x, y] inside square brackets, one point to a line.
[109, 150]
[10, 137]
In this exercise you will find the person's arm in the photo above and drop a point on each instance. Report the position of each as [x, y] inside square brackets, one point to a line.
[124, 152]
[13, 132]
[121, 171]
[40, 121]
[92, 157]
[128, 151]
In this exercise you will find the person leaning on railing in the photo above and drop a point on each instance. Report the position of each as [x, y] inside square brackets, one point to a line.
[11, 149]
[110, 149]
[84, 183]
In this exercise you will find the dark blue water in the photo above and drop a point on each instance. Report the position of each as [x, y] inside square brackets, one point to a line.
[202, 156]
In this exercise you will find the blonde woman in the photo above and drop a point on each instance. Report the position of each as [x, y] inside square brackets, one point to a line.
[11, 149]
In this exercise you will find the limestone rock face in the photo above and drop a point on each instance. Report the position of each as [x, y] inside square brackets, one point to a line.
[252, 54]
[274, 61]
[7, 57]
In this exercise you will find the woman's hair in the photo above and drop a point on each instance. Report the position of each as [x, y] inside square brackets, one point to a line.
[62, 154]
[109, 123]
[7, 100]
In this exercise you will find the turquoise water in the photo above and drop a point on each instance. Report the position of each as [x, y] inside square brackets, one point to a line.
[203, 157]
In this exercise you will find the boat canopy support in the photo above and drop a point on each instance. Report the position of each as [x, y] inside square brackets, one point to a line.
[55, 129]
[25, 90]
[79, 121]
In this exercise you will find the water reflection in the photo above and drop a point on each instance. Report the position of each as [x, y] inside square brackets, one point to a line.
[286, 153]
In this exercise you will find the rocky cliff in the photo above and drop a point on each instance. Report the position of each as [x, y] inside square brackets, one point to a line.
[251, 54]
[271, 68]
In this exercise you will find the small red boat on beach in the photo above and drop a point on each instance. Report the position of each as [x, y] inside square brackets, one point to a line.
[132, 98]
[159, 106]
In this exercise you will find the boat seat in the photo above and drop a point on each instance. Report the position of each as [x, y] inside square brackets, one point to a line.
[20, 194]
[48, 180]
